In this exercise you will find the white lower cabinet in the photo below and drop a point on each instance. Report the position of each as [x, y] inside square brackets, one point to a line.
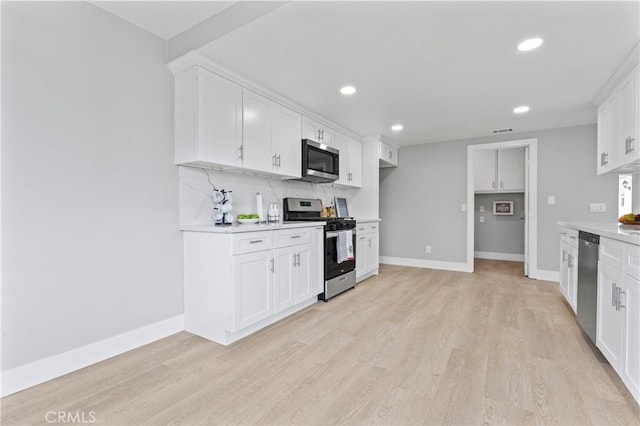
[238, 283]
[618, 314]
[569, 266]
[367, 250]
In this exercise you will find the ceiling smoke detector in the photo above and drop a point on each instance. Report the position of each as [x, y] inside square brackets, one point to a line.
[506, 130]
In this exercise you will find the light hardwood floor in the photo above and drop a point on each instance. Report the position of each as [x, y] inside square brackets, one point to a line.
[410, 346]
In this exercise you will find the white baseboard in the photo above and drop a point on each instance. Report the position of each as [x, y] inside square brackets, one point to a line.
[544, 275]
[40, 371]
[499, 256]
[425, 263]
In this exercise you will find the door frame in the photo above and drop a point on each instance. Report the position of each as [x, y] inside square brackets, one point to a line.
[531, 215]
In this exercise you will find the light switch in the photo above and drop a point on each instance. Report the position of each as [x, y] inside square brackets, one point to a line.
[551, 200]
[481, 209]
[597, 207]
[463, 207]
[481, 219]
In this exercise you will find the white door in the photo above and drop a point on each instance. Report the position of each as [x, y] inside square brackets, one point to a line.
[630, 302]
[526, 211]
[484, 170]
[305, 284]
[252, 288]
[361, 254]
[609, 323]
[355, 163]
[511, 163]
[285, 278]
[256, 130]
[287, 141]
[221, 118]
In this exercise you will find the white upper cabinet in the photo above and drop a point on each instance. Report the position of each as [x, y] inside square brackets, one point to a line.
[350, 160]
[271, 137]
[511, 170]
[315, 131]
[618, 123]
[484, 170]
[387, 156]
[499, 170]
[208, 120]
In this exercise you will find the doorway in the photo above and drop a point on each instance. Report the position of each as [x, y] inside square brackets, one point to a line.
[530, 200]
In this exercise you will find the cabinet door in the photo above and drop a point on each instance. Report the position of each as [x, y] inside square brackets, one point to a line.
[340, 142]
[609, 325]
[572, 277]
[257, 126]
[317, 273]
[285, 277]
[606, 133]
[626, 141]
[354, 157]
[372, 252]
[252, 288]
[564, 270]
[305, 284]
[361, 254]
[630, 307]
[484, 170]
[315, 131]
[220, 120]
[511, 169]
[287, 141]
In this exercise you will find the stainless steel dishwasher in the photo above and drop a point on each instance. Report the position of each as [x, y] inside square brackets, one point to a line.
[588, 282]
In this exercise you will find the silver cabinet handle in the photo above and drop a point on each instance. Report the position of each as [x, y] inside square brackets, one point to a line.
[613, 295]
[241, 155]
[369, 242]
[493, 184]
[362, 238]
[293, 237]
[255, 241]
[569, 261]
[501, 185]
[278, 160]
[272, 261]
[620, 305]
[273, 160]
[573, 237]
[564, 256]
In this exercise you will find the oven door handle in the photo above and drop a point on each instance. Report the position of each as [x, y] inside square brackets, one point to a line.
[334, 234]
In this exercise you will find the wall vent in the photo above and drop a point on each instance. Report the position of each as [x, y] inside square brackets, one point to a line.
[502, 130]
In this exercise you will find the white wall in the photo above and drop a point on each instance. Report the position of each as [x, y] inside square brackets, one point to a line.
[91, 246]
[420, 200]
[196, 205]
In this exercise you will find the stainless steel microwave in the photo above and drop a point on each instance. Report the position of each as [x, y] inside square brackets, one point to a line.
[320, 163]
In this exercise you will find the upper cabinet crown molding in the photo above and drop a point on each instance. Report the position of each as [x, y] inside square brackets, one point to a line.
[195, 58]
[632, 59]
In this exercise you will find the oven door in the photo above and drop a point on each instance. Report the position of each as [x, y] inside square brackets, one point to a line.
[332, 268]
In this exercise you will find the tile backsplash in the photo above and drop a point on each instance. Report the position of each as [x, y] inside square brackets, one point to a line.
[196, 191]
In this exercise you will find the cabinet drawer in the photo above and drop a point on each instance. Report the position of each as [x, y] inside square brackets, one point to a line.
[570, 236]
[250, 242]
[367, 228]
[612, 252]
[631, 264]
[291, 237]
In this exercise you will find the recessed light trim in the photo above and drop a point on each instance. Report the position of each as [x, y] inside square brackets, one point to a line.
[530, 44]
[521, 109]
[348, 90]
[397, 127]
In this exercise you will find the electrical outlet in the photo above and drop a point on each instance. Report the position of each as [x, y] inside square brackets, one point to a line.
[551, 200]
[428, 249]
[481, 219]
[481, 209]
[597, 207]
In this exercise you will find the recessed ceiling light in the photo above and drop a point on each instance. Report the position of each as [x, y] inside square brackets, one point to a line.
[521, 109]
[348, 90]
[397, 127]
[530, 44]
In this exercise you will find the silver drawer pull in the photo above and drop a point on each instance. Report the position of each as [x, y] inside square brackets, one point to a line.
[295, 236]
[255, 241]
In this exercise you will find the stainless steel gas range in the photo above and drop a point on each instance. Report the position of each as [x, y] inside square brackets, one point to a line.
[339, 244]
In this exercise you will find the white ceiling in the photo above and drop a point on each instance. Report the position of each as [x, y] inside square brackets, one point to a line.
[445, 70]
[166, 19]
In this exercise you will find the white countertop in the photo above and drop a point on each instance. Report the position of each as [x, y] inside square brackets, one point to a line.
[609, 230]
[246, 227]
